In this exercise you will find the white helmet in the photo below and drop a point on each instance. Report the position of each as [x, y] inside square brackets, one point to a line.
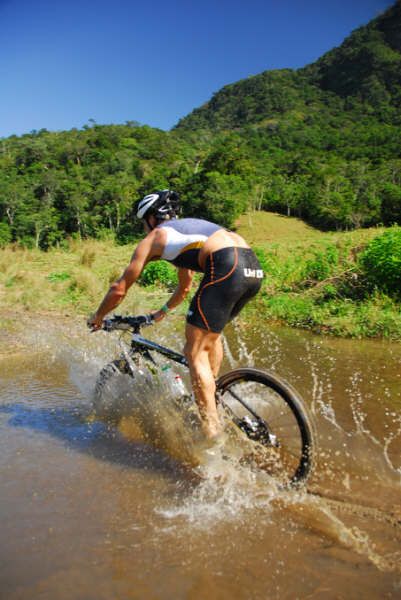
[162, 204]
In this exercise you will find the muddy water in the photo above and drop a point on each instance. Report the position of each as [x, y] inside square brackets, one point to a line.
[91, 511]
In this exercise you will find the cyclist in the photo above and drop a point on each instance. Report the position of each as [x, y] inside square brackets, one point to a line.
[232, 276]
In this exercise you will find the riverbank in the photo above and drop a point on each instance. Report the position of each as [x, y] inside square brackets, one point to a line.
[312, 279]
[315, 280]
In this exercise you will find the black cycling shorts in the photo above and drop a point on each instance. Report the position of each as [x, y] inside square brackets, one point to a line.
[232, 277]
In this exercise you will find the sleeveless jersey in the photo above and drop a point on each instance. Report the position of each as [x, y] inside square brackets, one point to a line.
[185, 238]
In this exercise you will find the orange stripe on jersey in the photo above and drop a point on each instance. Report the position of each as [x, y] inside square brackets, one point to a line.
[193, 246]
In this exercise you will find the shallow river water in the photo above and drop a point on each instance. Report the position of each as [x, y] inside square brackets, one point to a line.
[90, 511]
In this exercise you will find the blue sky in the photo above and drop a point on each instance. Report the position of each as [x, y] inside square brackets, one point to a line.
[65, 62]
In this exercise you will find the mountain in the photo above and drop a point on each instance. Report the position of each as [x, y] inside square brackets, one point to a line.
[367, 66]
[363, 74]
[322, 143]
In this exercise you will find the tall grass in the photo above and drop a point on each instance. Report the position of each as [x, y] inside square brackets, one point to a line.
[312, 279]
[70, 280]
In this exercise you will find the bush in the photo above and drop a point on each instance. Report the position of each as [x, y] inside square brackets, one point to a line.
[263, 259]
[295, 310]
[381, 262]
[159, 272]
[27, 241]
[323, 264]
[5, 235]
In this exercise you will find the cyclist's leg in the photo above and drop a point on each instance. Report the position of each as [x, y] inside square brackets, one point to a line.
[203, 350]
[216, 357]
[224, 284]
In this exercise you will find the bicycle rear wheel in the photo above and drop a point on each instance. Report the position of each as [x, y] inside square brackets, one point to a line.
[273, 416]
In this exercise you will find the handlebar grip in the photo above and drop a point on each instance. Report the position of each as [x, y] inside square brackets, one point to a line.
[107, 325]
[126, 323]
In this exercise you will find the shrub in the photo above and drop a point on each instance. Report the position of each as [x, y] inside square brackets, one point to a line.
[381, 261]
[27, 241]
[159, 272]
[295, 310]
[5, 235]
[269, 262]
[264, 261]
[323, 263]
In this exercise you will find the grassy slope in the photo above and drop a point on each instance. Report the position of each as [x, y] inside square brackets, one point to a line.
[265, 229]
[73, 281]
[67, 282]
[312, 278]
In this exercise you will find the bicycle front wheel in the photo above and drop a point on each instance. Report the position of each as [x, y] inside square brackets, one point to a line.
[273, 416]
[113, 391]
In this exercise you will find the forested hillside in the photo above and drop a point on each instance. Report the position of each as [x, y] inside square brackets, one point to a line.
[83, 183]
[367, 67]
[322, 143]
[365, 71]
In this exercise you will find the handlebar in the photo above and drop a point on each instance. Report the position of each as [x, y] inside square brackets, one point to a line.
[127, 323]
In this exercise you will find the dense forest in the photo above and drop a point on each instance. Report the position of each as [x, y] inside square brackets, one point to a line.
[322, 143]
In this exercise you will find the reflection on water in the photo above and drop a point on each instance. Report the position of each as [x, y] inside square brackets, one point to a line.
[93, 509]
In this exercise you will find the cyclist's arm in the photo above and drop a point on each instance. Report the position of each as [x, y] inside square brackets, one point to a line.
[146, 250]
[185, 277]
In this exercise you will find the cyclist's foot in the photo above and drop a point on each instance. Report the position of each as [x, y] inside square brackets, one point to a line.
[216, 443]
[212, 445]
[211, 426]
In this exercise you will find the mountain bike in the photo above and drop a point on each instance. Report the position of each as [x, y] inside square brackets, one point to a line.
[262, 406]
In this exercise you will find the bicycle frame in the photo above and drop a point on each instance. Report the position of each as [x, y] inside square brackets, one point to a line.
[235, 385]
[143, 345]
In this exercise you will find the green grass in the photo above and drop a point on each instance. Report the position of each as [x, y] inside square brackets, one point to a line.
[69, 281]
[312, 279]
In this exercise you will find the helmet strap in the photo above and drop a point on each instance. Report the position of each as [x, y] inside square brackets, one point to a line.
[147, 221]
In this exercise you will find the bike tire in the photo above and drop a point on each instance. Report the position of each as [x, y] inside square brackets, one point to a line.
[283, 418]
[104, 397]
[110, 370]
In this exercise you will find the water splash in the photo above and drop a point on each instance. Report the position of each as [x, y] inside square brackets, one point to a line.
[228, 489]
[245, 356]
[322, 389]
[318, 514]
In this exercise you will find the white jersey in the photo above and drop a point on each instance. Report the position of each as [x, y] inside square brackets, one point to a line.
[185, 238]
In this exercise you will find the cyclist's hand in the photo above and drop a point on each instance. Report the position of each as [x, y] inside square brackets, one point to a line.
[94, 323]
[158, 315]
